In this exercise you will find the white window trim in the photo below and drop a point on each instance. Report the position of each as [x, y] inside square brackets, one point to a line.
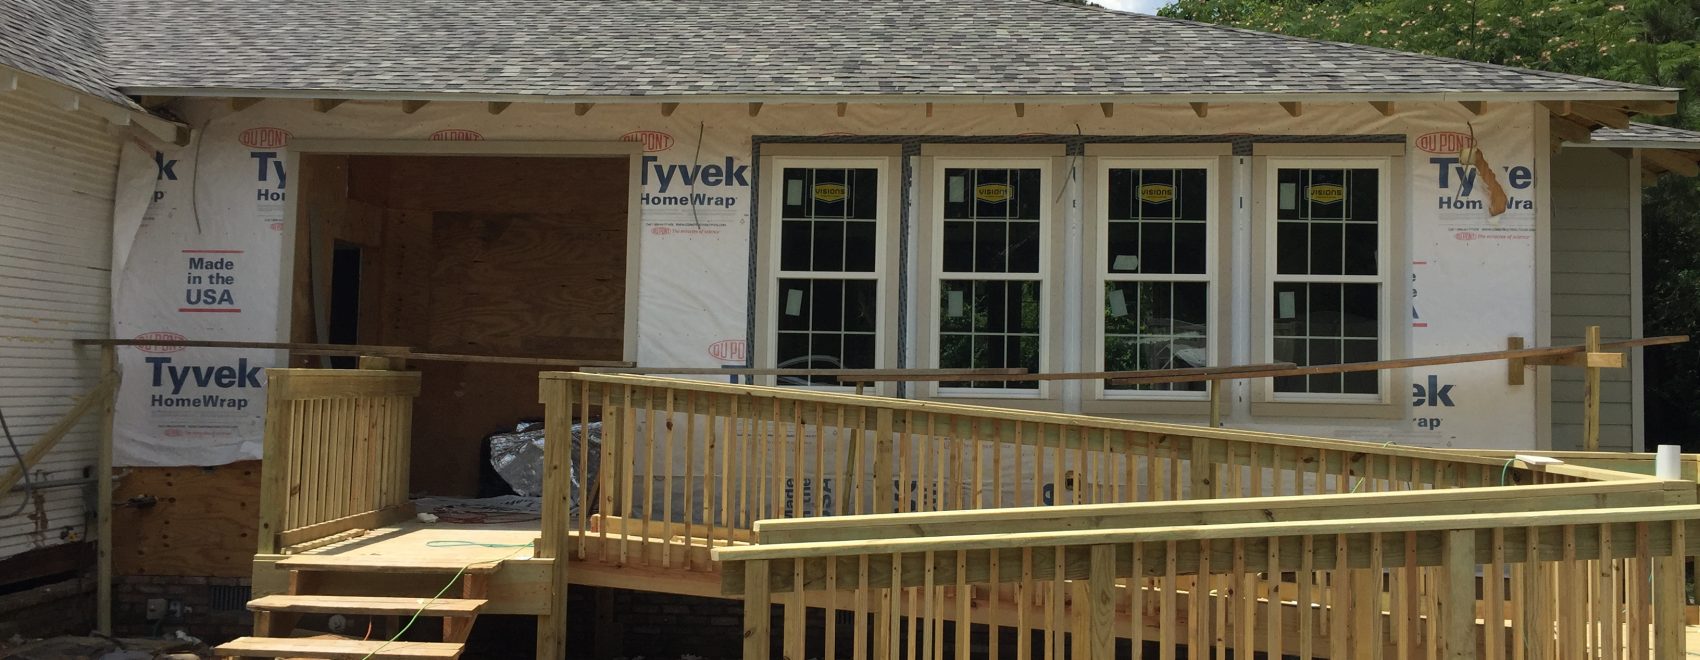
[884, 231]
[934, 216]
[1100, 271]
[1386, 262]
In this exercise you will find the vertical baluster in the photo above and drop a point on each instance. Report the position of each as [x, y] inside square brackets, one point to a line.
[820, 461]
[859, 649]
[1307, 580]
[1136, 600]
[1571, 605]
[796, 613]
[930, 616]
[964, 605]
[628, 472]
[1167, 635]
[1055, 607]
[667, 484]
[1607, 605]
[1639, 575]
[1494, 581]
[895, 614]
[1275, 640]
[1024, 605]
[1339, 597]
[583, 467]
[690, 510]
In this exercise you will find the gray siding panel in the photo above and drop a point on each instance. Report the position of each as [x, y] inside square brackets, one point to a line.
[1591, 261]
[57, 171]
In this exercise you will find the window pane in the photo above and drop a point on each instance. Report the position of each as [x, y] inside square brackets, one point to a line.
[1155, 325]
[959, 247]
[1364, 195]
[829, 195]
[1324, 195]
[1156, 247]
[1362, 246]
[1123, 244]
[794, 240]
[864, 194]
[1027, 194]
[1326, 248]
[813, 236]
[993, 194]
[820, 321]
[1121, 194]
[1327, 319]
[859, 245]
[792, 304]
[826, 306]
[1024, 247]
[1194, 195]
[1362, 310]
[1361, 382]
[1191, 248]
[988, 324]
[991, 247]
[1292, 248]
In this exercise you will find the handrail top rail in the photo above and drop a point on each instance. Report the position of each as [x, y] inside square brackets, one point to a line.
[1205, 532]
[1266, 505]
[1066, 420]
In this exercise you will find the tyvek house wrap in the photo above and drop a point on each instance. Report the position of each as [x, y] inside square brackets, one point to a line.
[207, 258]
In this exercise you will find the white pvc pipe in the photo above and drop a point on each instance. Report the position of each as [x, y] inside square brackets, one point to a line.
[1668, 465]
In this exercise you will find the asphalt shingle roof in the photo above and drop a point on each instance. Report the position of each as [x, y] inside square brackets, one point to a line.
[1639, 133]
[59, 40]
[703, 48]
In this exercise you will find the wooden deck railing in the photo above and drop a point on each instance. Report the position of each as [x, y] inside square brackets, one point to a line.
[1148, 580]
[700, 462]
[336, 453]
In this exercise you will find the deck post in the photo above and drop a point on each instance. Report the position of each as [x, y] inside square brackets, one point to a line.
[556, 397]
[1670, 599]
[1591, 393]
[103, 496]
[1102, 602]
[1457, 629]
[758, 611]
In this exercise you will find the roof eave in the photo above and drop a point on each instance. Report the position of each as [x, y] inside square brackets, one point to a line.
[1623, 96]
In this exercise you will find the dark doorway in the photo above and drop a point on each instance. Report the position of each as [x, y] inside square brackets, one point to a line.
[498, 256]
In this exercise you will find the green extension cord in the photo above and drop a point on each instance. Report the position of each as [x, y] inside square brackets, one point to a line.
[448, 544]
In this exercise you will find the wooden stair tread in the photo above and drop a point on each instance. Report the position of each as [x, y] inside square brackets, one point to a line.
[336, 649]
[381, 564]
[372, 605]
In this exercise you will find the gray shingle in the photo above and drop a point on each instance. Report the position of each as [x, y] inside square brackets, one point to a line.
[1646, 133]
[626, 48]
[58, 40]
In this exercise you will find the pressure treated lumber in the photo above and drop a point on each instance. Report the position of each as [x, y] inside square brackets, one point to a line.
[1406, 363]
[368, 605]
[379, 564]
[913, 375]
[97, 396]
[337, 649]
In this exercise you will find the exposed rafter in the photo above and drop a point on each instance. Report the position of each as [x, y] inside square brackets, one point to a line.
[1201, 109]
[1475, 107]
[8, 81]
[1672, 161]
[843, 108]
[667, 109]
[497, 107]
[1386, 108]
[1569, 131]
[411, 107]
[1021, 109]
[327, 105]
[1109, 109]
[755, 109]
[240, 103]
[1293, 108]
[582, 109]
[929, 109]
[1599, 114]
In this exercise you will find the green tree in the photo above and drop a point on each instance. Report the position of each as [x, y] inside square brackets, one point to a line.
[1646, 41]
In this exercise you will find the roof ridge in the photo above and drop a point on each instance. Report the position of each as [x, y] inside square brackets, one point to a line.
[1351, 46]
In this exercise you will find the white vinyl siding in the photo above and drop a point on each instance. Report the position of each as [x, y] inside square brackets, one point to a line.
[57, 170]
[1591, 262]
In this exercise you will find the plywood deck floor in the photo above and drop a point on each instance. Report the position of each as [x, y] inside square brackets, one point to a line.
[438, 542]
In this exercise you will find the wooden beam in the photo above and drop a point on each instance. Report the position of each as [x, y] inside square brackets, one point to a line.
[1109, 109]
[1514, 366]
[667, 109]
[1672, 161]
[843, 108]
[582, 109]
[240, 103]
[1591, 394]
[758, 613]
[1600, 114]
[1593, 360]
[1294, 108]
[1021, 109]
[1475, 107]
[497, 107]
[410, 107]
[1559, 108]
[929, 109]
[1457, 628]
[326, 105]
[755, 109]
[926, 375]
[1386, 108]
[1570, 131]
[103, 492]
[1201, 109]
[1658, 108]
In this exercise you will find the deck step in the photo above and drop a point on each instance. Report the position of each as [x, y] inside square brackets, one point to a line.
[336, 649]
[368, 605]
[381, 564]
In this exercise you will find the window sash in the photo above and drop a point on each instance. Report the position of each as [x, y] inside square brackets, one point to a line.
[777, 273]
[937, 219]
[1104, 275]
[1273, 278]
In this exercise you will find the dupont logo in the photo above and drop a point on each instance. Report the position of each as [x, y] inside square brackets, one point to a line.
[264, 137]
[457, 134]
[1445, 142]
[653, 141]
[160, 336]
[727, 350]
[661, 231]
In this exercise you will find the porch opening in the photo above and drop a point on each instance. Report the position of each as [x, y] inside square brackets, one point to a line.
[479, 255]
